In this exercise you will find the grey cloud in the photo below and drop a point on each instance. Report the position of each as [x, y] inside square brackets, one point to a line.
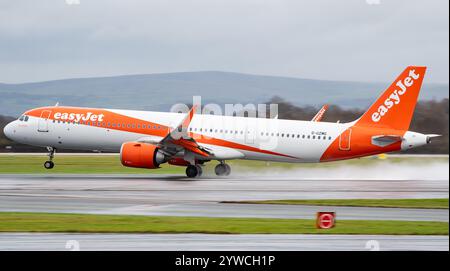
[322, 39]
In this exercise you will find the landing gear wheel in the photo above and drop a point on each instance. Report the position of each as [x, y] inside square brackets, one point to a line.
[51, 153]
[199, 170]
[228, 170]
[222, 169]
[49, 165]
[192, 171]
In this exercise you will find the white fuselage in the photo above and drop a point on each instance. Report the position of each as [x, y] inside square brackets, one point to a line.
[297, 141]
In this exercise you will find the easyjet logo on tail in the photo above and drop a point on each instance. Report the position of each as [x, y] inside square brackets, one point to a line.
[394, 99]
[89, 116]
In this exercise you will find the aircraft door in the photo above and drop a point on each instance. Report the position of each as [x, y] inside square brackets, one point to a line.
[43, 121]
[345, 140]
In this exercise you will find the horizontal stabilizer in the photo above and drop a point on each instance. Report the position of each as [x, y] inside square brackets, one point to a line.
[385, 140]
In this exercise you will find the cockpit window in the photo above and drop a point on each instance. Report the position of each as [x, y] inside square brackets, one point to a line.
[24, 118]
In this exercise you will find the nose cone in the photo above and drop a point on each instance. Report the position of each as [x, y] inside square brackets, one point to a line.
[8, 131]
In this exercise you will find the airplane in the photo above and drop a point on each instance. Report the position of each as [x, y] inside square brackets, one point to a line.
[148, 139]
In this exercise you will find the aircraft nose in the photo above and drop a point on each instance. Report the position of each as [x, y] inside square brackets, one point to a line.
[8, 130]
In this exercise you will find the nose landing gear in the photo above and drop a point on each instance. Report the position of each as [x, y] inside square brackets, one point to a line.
[49, 164]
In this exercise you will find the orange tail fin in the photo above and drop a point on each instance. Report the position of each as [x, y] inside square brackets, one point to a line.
[395, 108]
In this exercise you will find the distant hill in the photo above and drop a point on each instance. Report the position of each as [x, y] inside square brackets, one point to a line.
[161, 91]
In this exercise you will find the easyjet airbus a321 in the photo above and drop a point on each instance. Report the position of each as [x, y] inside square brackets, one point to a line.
[149, 139]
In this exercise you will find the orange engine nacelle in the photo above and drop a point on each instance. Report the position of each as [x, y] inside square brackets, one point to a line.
[141, 155]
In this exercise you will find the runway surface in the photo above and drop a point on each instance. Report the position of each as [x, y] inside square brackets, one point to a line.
[177, 196]
[174, 196]
[210, 209]
[196, 242]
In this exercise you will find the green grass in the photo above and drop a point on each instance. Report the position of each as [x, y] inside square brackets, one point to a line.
[45, 222]
[392, 203]
[75, 164]
[79, 164]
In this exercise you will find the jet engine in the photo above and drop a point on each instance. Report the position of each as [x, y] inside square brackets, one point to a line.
[141, 155]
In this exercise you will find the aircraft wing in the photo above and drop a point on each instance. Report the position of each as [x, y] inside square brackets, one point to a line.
[318, 117]
[179, 138]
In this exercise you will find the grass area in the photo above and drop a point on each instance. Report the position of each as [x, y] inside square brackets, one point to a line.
[45, 222]
[78, 164]
[392, 203]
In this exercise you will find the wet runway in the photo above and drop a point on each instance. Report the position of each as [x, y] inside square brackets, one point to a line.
[168, 188]
[56, 204]
[177, 196]
[174, 196]
[197, 242]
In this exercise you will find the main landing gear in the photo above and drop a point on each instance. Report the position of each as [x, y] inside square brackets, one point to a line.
[194, 171]
[222, 169]
[51, 153]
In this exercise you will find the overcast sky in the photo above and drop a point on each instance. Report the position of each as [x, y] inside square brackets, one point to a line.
[319, 39]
